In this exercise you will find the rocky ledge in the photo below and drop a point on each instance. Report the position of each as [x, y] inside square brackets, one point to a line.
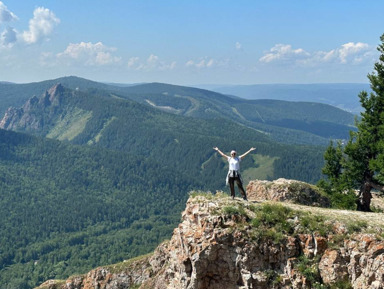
[225, 243]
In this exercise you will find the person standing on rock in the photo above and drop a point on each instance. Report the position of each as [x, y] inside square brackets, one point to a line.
[234, 171]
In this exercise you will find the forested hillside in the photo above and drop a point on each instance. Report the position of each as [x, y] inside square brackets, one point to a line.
[287, 122]
[65, 209]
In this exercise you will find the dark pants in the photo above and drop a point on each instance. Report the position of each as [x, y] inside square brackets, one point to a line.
[231, 181]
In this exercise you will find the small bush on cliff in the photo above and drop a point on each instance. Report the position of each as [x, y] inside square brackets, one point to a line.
[271, 222]
[309, 269]
[273, 215]
[235, 210]
[357, 226]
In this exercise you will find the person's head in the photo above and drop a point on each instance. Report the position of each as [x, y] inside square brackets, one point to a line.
[233, 153]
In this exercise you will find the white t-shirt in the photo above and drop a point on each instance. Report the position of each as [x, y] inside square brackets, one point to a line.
[234, 163]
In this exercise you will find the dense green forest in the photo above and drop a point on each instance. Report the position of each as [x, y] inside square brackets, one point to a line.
[65, 209]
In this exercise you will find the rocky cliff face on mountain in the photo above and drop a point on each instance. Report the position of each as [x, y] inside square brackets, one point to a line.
[225, 243]
[29, 116]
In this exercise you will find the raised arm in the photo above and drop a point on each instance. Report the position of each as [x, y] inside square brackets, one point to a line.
[220, 152]
[244, 154]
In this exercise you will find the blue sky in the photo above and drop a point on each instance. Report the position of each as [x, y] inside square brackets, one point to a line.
[190, 42]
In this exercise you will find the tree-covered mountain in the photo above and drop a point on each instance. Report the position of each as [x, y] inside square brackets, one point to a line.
[288, 122]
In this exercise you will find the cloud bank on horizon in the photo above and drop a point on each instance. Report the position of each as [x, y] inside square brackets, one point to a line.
[36, 52]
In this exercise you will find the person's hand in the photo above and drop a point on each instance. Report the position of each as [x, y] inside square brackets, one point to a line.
[252, 149]
[216, 148]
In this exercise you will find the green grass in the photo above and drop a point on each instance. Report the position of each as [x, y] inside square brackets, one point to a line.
[275, 222]
[235, 210]
[71, 125]
[262, 170]
[357, 226]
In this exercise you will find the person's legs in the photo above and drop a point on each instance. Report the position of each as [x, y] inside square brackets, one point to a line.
[231, 182]
[241, 189]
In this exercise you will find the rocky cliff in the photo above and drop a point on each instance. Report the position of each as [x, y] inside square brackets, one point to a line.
[35, 112]
[224, 243]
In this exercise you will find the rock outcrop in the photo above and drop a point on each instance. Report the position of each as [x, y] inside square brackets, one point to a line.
[225, 243]
[35, 112]
[283, 190]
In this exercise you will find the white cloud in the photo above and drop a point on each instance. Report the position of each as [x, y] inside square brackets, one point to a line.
[152, 63]
[349, 53]
[90, 54]
[202, 63]
[208, 63]
[238, 46]
[284, 52]
[8, 37]
[133, 61]
[352, 52]
[40, 26]
[5, 14]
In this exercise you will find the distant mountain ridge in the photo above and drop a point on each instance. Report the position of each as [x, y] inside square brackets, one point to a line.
[290, 122]
[341, 95]
[283, 120]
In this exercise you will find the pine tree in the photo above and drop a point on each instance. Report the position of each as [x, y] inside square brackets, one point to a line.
[333, 163]
[336, 186]
[362, 164]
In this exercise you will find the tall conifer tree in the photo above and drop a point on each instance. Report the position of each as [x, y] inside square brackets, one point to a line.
[362, 165]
